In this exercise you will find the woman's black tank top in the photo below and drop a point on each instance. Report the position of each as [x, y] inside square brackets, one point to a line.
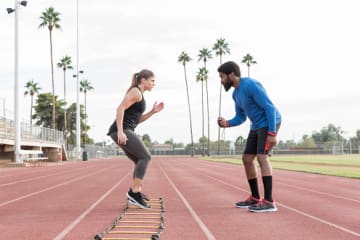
[132, 115]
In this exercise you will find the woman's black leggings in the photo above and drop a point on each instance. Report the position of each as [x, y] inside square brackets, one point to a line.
[136, 150]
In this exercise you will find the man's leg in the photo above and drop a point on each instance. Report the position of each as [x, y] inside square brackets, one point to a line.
[266, 173]
[266, 205]
[250, 171]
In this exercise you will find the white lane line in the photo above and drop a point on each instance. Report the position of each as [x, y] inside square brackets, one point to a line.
[87, 211]
[293, 209]
[319, 192]
[320, 220]
[43, 176]
[203, 227]
[302, 188]
[49, 188]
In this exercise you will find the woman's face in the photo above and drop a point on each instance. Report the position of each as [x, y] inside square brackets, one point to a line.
[149, 83]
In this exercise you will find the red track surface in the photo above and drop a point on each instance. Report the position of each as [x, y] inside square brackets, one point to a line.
[78, 200]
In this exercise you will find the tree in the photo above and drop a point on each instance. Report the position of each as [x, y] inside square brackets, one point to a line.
[248, 60]
[330, 133]
[50, 19]
[307, 142]
[32, 89]
[221, 47]
[240, 140]
[205, 55]
[42, 113]
[64, 64]
[183, 59]
[202, 76]
[71, 126]
[85, 86]
[44, 117]
[147, 141]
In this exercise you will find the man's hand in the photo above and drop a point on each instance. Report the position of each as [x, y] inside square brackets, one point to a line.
[222, 122]
[271, 140]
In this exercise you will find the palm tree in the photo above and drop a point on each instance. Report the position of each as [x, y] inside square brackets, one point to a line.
[85, 86]
[183, 59]
[50, 19]
[202, 76]
[205, 55]
[32, 89]
[248, 60]
[221, 48]
[64, 64]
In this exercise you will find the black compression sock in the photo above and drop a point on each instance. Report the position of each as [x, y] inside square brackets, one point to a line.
[267, 181]
[254, 188]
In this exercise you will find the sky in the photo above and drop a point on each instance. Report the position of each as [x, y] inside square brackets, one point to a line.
[307, 54]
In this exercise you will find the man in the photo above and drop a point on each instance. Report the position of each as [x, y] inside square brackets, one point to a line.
[252, 101]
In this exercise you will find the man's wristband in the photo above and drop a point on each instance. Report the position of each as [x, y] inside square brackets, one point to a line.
[227, 124]
[273, 134]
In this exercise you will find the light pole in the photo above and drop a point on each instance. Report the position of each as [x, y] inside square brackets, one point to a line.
[17, 146]
[78, 129]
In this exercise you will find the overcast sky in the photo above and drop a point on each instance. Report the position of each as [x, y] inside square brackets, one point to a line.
[308, 55]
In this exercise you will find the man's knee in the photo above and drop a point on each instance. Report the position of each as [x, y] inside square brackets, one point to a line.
[248, 159]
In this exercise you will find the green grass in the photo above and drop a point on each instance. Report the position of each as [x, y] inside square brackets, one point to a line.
[334, 165]
[353, 160]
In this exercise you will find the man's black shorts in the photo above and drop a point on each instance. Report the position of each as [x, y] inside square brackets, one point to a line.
[256, 141]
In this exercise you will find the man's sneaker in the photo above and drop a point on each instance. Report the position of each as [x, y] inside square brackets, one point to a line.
[264, 206]
[137, 199]
[250, 201]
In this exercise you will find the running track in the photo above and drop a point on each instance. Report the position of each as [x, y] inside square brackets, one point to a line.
[77, 200]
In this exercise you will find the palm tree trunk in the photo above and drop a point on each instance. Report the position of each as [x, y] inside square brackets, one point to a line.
[53, 83]
[202, 108]
[65, 122]
[248, 71]
[220, 97]
[208, 113]
[85, 119]
[188, 99]
[31, 107]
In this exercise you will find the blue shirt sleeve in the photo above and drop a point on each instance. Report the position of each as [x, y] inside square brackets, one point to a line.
[262, 99]
[239, 117]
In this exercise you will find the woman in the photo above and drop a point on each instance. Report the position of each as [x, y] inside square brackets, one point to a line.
[129, 115]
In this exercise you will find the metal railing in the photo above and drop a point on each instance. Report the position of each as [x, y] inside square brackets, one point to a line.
[29, 132]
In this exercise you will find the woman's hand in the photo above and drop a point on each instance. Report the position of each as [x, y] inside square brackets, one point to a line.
[122, 138]
[157, 107]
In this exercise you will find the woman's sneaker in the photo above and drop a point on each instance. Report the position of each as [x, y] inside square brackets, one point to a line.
[145, 197]
[137, 199]
[264, 206]
[250, 201]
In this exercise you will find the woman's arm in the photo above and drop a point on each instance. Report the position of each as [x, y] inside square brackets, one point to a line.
[156, 108]
[130, 98]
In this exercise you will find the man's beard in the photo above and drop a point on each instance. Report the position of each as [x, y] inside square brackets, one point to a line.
[227, 85]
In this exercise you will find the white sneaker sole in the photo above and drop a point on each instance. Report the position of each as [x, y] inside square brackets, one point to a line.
[243, 207]
[264, 210]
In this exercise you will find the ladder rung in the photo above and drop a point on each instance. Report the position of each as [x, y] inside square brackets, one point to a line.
[141, 213]
[132, 232]
[126, 238]
[129, 221]
[137, 226]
